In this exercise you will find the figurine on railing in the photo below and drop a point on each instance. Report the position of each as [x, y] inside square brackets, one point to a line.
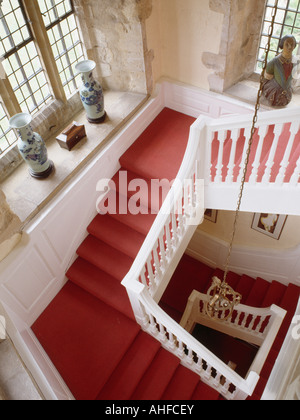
[277, 87]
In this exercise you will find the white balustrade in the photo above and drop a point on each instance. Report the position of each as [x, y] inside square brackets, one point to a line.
[176, 223]
[284, 164]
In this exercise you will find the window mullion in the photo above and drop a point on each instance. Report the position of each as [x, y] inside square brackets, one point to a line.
[40, 32]
[9, 98]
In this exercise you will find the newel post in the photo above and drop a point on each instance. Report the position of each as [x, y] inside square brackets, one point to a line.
[134, 290]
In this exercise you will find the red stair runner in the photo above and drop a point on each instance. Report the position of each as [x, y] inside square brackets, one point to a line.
[256, 292]
[89, 330]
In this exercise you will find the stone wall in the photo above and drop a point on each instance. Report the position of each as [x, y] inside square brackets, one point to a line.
[10, 228]
[114, 36]
[240, 39]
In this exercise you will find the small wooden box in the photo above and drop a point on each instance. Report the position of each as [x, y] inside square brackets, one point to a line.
[71, 136]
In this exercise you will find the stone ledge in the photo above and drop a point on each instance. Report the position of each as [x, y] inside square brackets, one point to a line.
[246, 91]
[26, 196]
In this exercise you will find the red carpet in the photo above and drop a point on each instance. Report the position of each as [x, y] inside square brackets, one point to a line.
[89, 331]
[256, 292]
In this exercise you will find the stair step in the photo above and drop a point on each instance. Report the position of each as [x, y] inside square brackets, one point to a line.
[274, 294]
[244, 286]
[233, 279]
[74, 331]
[257, 293]
[140, 222]
[117, 235]
[157, 377]
[204, 393]
[141, 192]
[105, 257]
[101, 285]
[131, 369]
[158, 152]
[190, 275]
[182, 385]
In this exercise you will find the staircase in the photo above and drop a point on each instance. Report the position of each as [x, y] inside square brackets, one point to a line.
[89, 330]
[256, 292]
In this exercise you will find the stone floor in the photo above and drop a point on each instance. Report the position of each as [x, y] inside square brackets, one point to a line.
[15, 382]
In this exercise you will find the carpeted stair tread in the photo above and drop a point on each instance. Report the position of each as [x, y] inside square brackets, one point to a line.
[158, 152]
[140, 222]
[244, 287]
[141, 192]
[274, 294]
[258, 292]
[131, 369]
[194, 275]
[232, 279]
[117, 235]
[105, 257]
[182, 385]
[204, 393]
[101, 285]
[76, 332]
[157, 377]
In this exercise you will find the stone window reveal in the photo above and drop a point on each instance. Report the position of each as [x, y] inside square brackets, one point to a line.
[39, 46]
[287, 22]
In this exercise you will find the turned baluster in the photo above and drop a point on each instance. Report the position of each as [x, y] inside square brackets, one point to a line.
[295, 177]
[247, 136]
[150, 272]
[277, 132]
[221, 138]
[262, 131]
[208, 161]
[162, 251]
[234, 137]
[285, 162]
[168, 239]
[143, 277]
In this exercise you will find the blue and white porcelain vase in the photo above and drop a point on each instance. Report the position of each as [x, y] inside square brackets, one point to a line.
[91, 92]
[31, 146]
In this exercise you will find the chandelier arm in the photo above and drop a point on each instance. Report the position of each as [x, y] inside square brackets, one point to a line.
[250, 142]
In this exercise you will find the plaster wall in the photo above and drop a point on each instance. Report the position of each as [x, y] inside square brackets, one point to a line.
[10, 226]
[179, 32]
[210, 44]
[246, 236]
[114, 37]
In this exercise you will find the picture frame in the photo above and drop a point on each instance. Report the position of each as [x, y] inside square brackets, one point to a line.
[211, 215]
[269, 224]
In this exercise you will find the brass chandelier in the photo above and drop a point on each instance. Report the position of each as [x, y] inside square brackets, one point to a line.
[221, 298]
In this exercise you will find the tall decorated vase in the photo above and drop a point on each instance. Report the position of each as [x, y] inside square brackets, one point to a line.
[91, 92]
[31, 147]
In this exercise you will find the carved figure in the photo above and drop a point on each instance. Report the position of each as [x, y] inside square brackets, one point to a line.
[277, 87]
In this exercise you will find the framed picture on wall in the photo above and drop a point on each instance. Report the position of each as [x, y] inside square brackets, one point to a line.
[269, 224]
[211, 215]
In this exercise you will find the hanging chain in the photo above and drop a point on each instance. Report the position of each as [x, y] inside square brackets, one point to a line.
[253, 129]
